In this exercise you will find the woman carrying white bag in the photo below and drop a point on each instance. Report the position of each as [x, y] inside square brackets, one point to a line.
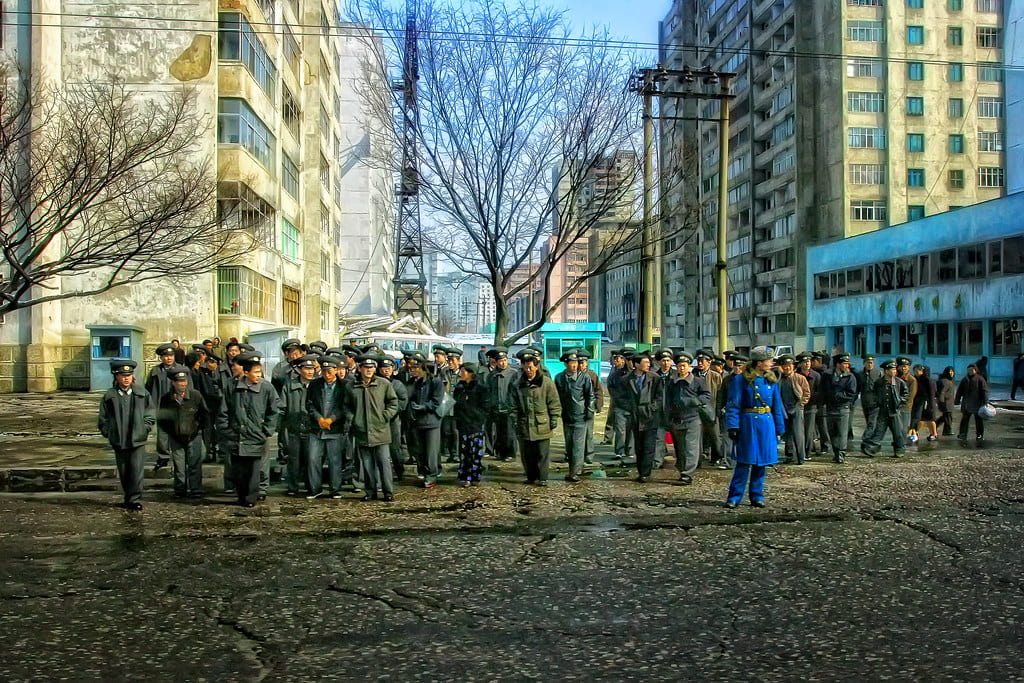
[972, 397]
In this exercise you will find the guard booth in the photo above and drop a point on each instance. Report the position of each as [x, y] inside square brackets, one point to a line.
[107, 342]
[559, 337]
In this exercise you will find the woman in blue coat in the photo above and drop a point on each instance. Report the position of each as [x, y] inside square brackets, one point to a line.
[755, 419]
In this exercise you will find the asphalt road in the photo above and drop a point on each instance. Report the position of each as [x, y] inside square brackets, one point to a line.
[878, 569]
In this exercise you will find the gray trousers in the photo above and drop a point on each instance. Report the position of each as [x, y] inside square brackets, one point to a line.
[870, 417]
[131, 466]
[872, 441]
[187, 465]
[395, 449]
[810, 426]
[588, 443]
[224, 453]
[839, 428]
[796, 446]
[376, 469]
[576, 444]
[660, 449]
[426, 448]
[686, 441]
[621, 432]
[296, 449]
[822, 429]
[317, 449]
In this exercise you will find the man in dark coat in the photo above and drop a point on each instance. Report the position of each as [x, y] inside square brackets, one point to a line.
[502, 408]
[471, 418]
[641, 394]
[891, 395]
[687, 397]
[576, 395]
[370, 402]
[386, 370]
[425, 413]
[866, 379]
[537, 414]
[971, 395]
[663, 363]
[803, 366]
[126, 416]
[295, 425]
[618, 415]
[584, 356]
[249, 416]
[324, 408]
[183, 416]
[840, 392]
[158, 384]
[1018, 376]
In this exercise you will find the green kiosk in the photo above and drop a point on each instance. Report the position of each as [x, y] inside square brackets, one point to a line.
[557, 337]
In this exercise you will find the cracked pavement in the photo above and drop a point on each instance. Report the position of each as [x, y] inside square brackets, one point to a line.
[878, 569]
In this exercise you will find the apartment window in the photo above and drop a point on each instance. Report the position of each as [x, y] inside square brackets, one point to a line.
[991, 176]
[325, 315]
[915, 212]
[865, 101]
[783, 130]
[292, 55]
[990, 107]
[867, 174]
[291, 113]
[915, 106]
[915, 177]
[237, 124]
[289, 176]
[1004, 340]
[868, 210]
[325, 173]
[955, 35]
[987, 5]
[989, 36]
[990, 71]
[956, 143]
[325, 220]
[956, 107]
[908, 342]
[239, 207]
[915, 142]
[1013, 255]
[244, 292]
[915, 71]
[970, 338]
[325, 267]
[237, 41]
[915, 4]
[995, 258]
[864, 68]
[954, 5]
[291, 306]
[990, 141]
[955, 72]
[861, 138]
[915, 35]
[971, 261]
[865, 31]
[325, 123]
[936, 338]
[289, 239]
[956, 179]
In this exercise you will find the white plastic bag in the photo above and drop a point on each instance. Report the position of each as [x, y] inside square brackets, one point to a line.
[987, 411]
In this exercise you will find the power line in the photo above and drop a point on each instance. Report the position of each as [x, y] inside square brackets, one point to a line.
[360, 30]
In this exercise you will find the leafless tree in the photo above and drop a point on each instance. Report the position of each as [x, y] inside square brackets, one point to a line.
[104, 183]
[518, 122]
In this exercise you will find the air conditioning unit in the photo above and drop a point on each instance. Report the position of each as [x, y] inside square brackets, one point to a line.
[1017, 325]
[917, 328]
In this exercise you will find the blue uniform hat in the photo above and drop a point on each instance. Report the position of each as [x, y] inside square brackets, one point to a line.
[123, 366]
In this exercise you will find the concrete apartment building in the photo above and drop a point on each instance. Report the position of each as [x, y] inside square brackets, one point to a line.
[849, 116]
[466, 303]
[296, 161]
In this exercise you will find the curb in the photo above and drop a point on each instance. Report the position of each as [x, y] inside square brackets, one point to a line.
[78, 478]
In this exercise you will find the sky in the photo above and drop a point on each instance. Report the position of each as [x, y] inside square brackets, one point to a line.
[628, 19]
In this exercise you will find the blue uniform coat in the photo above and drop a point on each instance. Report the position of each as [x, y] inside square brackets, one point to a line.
[758, 438]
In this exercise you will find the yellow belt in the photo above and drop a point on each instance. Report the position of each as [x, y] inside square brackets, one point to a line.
[760, 411]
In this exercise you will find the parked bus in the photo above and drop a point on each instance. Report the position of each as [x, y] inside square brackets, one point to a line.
[395, 343]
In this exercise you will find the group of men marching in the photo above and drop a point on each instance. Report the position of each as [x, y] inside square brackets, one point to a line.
[366, 415]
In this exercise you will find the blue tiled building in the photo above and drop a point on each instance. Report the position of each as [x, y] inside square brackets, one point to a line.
[943, 290]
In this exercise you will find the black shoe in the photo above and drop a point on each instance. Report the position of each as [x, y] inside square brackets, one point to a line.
[133, 507]
[641, 480]
[573, 478]
[542, 483]
[866, 452]
[588, 460]
[685, 479]
[368, 497]
[388, 497]
[839, 458]
[261, 497]
[757, 503]
[731, 505]
[160, 463]
[230, 492]
[196, 494]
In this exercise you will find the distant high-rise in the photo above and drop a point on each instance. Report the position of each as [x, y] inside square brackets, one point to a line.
[849, 116]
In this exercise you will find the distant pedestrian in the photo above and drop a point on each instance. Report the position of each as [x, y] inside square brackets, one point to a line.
[971, 395]
[945, 400]
[126, 416]
[1018, 376]
[926, 400]
[755, 418]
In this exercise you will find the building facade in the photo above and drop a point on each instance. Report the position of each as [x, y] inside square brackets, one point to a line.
[296, 165]
[945, 299]
[848, 116]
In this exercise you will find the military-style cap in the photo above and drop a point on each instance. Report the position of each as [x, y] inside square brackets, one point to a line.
[290, 344]
[739, 358]
[786, 360]
[802, 356]
[718, 360]
[569, 356]
[385, 361]
[245, 347]
[757, 356]
[178, 373]
[349, 350]
[819, 354]
[841, 358]
[683, 356]
[704, 354]
[889, 364]
[318, 345]
[370, 348]
[452, 351]
[367, 361]
[903, 360]
[123, 366]
[472, 368]
[416, 358]
[307, 361]
[866, 357]
[637, 356]
[617, 352]
[728, 354]
[336, 351]
[329, 361]
[583, 354]
[663, 353]
[526, 353]
[497, 352]
[248, 358]
[165, 350]
[199, 347]
[211, 356]
[439, 348]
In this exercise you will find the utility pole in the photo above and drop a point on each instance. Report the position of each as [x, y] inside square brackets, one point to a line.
[650, 83]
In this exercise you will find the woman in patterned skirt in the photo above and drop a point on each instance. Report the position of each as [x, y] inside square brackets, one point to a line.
[470, 415]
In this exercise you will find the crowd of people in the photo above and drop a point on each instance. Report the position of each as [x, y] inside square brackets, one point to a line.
[366, 415]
